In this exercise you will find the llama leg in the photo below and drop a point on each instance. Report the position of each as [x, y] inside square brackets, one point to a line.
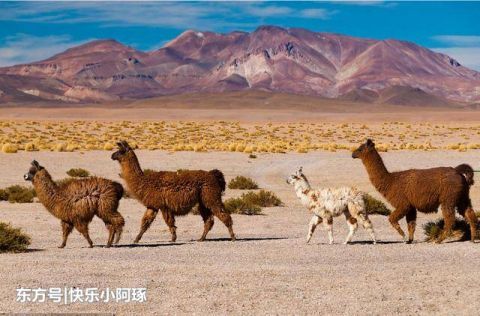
[367, 225]
[147, 220]
[329, 226]
[118, 222]
[226, 220]
[67, 229]
[352, 228]
[169, 219]
[111, 235]
[394, 218]
[83, 229]
[118, 235]
[449, 219]
[212, 199]
[208, 220]
[472, 220]
[218, 210]
[411, 223]
[313, 224]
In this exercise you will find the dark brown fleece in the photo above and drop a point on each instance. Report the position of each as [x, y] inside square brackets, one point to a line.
[174, 193]
[422, 190]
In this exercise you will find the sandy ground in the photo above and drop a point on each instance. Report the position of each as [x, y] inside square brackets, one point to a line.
[269, 270]
[261, 114]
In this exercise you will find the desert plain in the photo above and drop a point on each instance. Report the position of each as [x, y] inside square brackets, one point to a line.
[269, 269]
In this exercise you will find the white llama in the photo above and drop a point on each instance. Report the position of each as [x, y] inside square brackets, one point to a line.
[327, 203]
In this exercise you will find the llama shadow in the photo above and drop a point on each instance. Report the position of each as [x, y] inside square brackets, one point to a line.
[33, 250]
[379, 242]
[245, 239]
[144, 245]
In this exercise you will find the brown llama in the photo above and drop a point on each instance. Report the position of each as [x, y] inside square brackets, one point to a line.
[174, 193]
[76, 202]
[422, 190]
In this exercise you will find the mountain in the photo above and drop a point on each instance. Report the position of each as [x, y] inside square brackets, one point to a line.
[270, 58]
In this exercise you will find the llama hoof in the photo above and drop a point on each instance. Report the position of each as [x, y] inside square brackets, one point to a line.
[408, 242]
[234, 238]
[201, 240]
[61, 246]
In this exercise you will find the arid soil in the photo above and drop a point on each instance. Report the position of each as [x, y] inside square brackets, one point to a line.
[269, 270]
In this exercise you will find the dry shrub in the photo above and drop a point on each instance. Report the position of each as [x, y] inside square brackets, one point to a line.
[251, 203]
[78, 173]
[460, 231]
[375, 206]
[240, 206]
[17, 194]
[262, 198]
[242, 183]
[12, 239]
[9, 148]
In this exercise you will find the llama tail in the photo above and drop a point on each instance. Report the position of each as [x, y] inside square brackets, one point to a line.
[220, 178]
[118, 189]
[467, 172]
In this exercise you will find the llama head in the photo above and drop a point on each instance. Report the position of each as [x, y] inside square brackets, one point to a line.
[369, 146]
[123, 150]
[34, 168]
[296, 177]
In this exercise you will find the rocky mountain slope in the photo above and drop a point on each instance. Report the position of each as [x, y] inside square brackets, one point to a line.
[270, 58]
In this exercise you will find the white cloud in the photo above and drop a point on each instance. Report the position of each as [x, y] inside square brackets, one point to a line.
[179, 15]
[467, 56]
[385, 4]
[316, 13]
[23, 48]
[458, 40]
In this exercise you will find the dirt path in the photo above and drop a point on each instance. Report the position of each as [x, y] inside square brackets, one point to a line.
[270, 270]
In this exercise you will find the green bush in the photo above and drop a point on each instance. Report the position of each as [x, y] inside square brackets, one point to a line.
[240, 206]
[17, 194]
[12, 239]
[375, 206]
[242, 183]
[262, 198]
[460, 231]
[78, 173]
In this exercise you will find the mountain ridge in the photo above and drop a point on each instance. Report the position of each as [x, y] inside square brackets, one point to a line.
[271, 58]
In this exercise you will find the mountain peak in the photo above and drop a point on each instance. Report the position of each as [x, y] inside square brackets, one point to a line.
[271, 58]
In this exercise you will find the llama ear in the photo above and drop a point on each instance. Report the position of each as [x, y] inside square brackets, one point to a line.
[126, 145]
[36, 164]
[370, 143]
[120, 145]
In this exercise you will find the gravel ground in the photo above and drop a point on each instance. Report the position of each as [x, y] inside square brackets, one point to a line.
[269, 270]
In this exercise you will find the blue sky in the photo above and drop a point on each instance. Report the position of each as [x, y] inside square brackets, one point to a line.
[32, 31]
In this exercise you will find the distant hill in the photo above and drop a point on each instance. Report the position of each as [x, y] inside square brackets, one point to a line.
[294, 61]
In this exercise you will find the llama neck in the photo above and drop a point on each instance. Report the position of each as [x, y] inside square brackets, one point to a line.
[376, 170]
[46, 190]
[131, 171]
[302, 188]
